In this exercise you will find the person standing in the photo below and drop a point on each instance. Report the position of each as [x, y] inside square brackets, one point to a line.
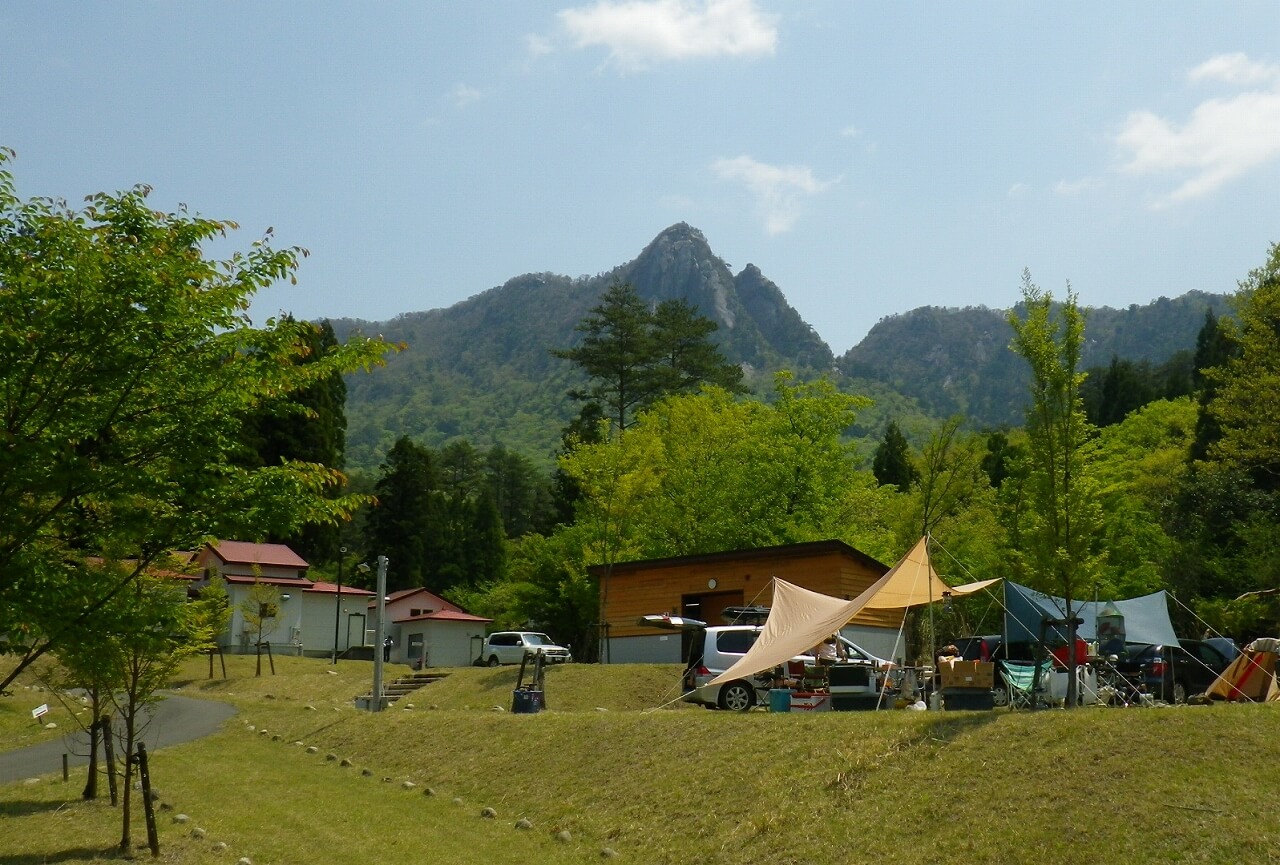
[386, 648]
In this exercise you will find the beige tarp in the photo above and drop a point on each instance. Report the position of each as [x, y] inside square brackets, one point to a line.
[913, 582]
[800, 619]
[1251, 676]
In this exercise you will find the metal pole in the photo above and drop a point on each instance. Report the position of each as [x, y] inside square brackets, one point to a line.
[337, 605]
[379, 635]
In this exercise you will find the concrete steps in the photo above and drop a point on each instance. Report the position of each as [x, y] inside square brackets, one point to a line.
[397, 688]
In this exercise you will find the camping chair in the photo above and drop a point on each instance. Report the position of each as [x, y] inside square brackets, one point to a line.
[1019, 679]
[807, 678]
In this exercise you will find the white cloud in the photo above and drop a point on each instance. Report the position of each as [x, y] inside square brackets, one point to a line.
[638, 32]
[851, 131]
[1223, 138]
[1234, 69]
[779, 189]
[538, 45]
[464, 95]
[1076, 187]
[1018, 190]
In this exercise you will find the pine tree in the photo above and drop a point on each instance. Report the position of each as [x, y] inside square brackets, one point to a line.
[685, 356]
[1214, 348]
[310, 426]
[634, 356]
[892, 463]
[617, 353]
[406, 512]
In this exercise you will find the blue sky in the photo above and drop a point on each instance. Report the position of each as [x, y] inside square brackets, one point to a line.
[869, 158]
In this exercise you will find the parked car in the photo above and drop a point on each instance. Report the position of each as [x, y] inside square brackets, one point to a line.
[715, 649]
[510, 647]
[992, 647]
[1172, 673]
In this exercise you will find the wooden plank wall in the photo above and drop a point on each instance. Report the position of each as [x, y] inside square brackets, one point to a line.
[634, 591]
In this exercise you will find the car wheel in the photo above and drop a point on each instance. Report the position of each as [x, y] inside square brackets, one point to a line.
[1179, 692]
[737, 697]
[999, 697]
[493, 660]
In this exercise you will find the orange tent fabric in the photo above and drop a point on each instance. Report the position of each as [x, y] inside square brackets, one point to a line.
[1252, 676]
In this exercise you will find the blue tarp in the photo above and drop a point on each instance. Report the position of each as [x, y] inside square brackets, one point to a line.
[1146, 619]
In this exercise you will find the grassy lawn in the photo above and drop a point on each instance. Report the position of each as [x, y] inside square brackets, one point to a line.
[677, 785]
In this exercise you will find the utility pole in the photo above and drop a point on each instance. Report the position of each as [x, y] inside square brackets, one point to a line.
[375, 704]
[337, 607]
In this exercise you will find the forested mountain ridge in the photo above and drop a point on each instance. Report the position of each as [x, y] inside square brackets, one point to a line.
[482, 369]
[957, 361]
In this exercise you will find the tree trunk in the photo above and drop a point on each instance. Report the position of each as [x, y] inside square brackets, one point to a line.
[91, 781]
[109, 754]
[148, 807]
[126, 802]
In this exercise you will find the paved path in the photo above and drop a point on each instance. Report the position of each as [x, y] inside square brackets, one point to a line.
[173, 720]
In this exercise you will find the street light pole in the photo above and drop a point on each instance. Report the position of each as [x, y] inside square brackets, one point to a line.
[337, 604]
[375, 705]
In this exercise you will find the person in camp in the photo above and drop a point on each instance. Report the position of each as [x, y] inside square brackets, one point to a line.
[948, 655]
[829, 651]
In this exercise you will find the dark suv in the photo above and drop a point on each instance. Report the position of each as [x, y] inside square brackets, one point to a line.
[1172, 673]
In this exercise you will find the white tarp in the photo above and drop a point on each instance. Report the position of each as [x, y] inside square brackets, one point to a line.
[800, 619]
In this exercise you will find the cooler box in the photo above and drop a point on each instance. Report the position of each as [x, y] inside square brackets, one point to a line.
[525, 702]
[780, 700]
[807, 702]
[970, 699]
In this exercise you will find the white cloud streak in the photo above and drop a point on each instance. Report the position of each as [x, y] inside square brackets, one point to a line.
[640, 32]
[464, 95]
[538, 45]
[779, 190]
[1223, 139]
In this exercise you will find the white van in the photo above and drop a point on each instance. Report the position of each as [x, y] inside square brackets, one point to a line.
[715, 649]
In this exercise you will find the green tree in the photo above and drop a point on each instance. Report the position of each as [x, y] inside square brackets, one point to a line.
[1214, 348]
[685, 356]
[1139, 466]
[706, 472]
[309, 426]
[406, 511]
[950, 477]
[1000, 456]
[892, 462]
[617, 353]
[127, 368]
[1060, 538]
[1122, 387]
[521, 492]
[1247, 384]
[1229, 506]
[143, 635]
[633, 356]
[261, 612]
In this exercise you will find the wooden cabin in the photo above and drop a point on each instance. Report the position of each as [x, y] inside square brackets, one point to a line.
[703, 586]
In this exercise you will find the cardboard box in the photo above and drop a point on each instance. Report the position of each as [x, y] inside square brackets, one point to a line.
[967, 674]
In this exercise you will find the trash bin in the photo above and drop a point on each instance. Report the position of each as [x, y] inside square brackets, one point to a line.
[526, 702]
[780, 700]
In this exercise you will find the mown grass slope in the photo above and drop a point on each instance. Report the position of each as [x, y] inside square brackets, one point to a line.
[683, 785]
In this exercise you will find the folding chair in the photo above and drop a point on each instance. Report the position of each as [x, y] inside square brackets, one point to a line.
[1019, 679]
